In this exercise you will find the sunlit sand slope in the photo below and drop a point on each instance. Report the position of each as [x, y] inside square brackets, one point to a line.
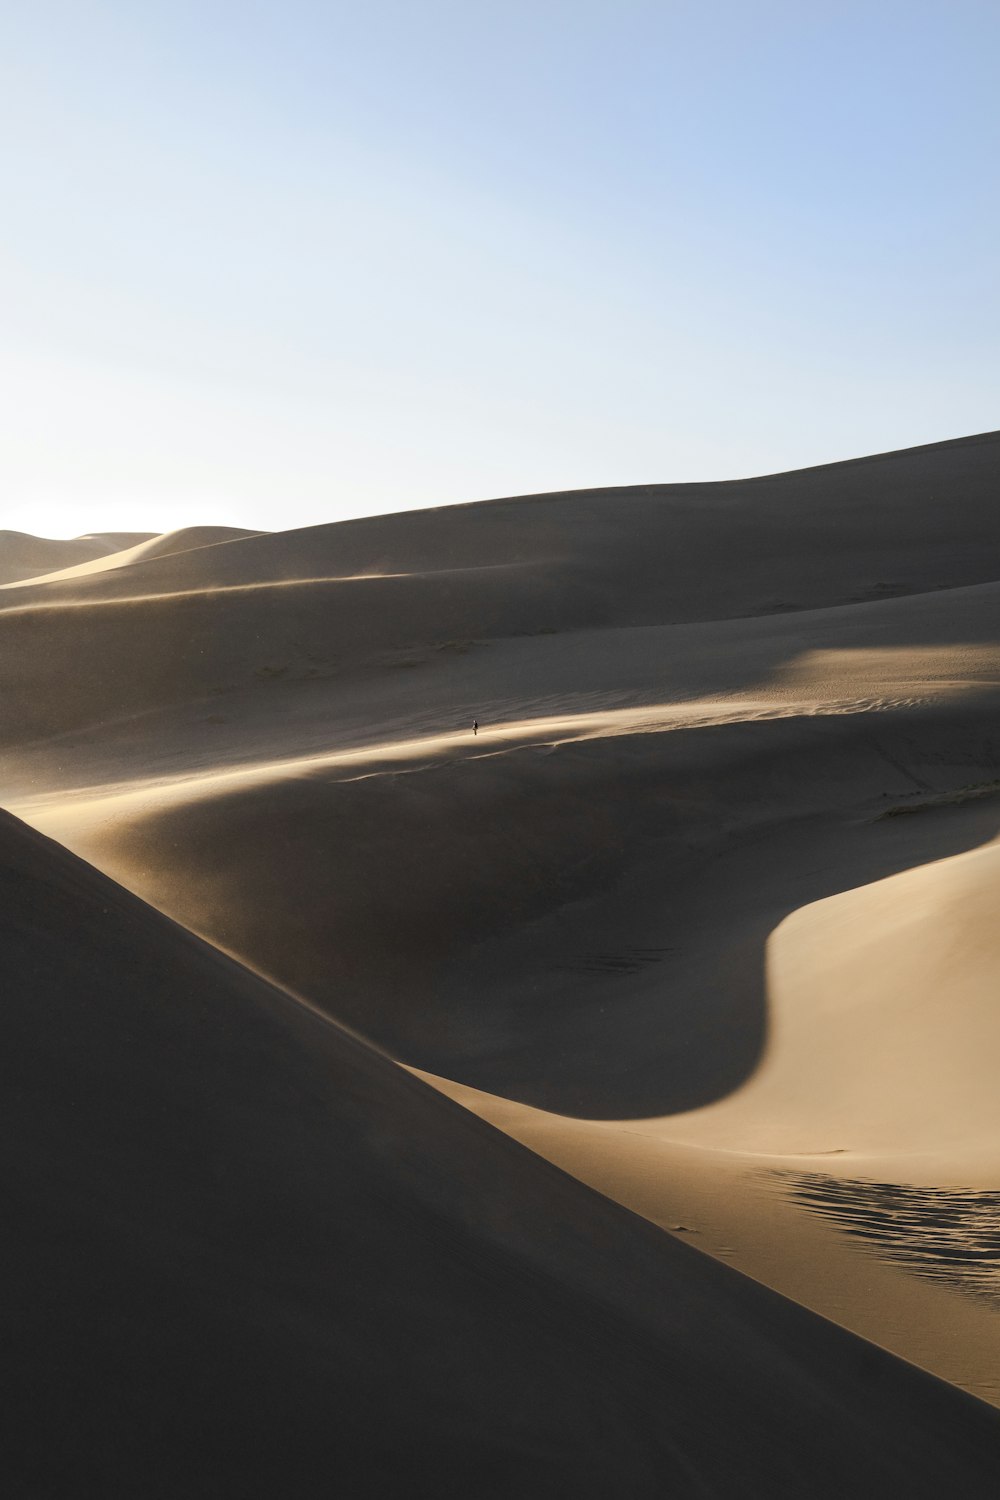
[884, 1018]
[697, 913]
[130, 550]
[23, 556]
[245, 1254]
[576, 914]
[340, 614]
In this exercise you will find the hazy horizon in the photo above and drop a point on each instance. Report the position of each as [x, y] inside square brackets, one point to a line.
[288, 266]
[501, 1001]
[212, 521]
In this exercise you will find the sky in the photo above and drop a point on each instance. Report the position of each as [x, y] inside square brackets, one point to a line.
[271, 263]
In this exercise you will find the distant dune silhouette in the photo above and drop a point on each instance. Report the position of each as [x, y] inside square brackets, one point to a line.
[703, 915]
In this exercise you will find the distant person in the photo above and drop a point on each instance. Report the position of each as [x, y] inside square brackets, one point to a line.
[475, 726]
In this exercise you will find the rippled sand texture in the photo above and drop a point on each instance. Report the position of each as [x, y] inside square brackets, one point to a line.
[950, 1235]
[704, 916]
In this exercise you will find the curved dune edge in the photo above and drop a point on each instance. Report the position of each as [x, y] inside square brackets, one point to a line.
[884, 1021]
[163, 836]
[25, 558]
[707, 714]
[168, 544]
[743, 1210]
[880, 1067]
[866, 530]
[883, 1033]
[827, 1095]
[406, 1293]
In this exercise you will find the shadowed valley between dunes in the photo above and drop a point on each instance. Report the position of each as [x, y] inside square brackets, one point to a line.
[661, 920]
[248, 1253]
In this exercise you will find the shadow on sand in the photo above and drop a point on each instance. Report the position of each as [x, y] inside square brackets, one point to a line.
[949, 1235]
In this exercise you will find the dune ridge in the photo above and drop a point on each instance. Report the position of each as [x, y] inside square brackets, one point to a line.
[129, 551]
[282, 1221]
[702, 915]
[899, 523]
[25, 557]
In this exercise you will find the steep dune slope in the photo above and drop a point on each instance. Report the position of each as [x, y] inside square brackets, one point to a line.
[245, 1254]
[855, 1169]
[453, 898]
[317, 813]
[614, 908]
[884, 1022]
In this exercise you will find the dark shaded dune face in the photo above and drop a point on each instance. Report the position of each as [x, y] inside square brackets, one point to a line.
[243, 1254]
[333, 602]
[247, 1253]
[164, 652]
[543, 923]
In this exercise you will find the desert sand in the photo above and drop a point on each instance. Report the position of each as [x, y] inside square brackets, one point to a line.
[101, 552]
[23, 556]
[704, 917]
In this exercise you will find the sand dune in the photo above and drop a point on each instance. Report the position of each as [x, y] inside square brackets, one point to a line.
[325, 611]
[301, 866]
[703, 914]
[897, 523]
[135, 551]
[23, 557]
[293, 1266]
[884, 1027]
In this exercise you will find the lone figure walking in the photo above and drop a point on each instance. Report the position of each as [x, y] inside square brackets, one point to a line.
[475, 726]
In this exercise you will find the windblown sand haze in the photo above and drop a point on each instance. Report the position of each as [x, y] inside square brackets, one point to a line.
[599, 1104]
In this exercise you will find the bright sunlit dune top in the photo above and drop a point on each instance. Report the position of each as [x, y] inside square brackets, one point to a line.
[186, 540]
[656, 825]
[500, 750]
[386, 1222]
[23, 557]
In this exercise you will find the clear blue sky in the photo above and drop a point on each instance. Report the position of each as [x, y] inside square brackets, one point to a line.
[274, 262]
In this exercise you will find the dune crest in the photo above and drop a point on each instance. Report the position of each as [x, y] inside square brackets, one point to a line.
[145, 548]
[268, 1216]
[24, 557]
[884, 1022]
[702, 914]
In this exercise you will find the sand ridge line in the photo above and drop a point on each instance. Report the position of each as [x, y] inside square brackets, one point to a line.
[392, 757]
[209, 590]
[394, 1221]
